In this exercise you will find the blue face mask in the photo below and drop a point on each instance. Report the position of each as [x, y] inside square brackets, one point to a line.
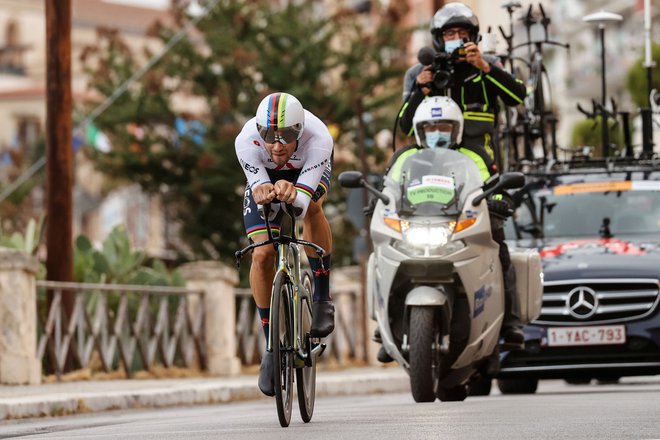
[452, 45]
[438, 139]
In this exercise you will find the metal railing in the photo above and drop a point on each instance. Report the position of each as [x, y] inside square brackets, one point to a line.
[133, 328]
[129, 327]
[342, 342]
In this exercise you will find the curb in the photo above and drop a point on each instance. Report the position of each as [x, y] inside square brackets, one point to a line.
[197, 393]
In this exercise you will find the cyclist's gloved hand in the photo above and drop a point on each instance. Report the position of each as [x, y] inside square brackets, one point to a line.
[285, 191]
[263, 193]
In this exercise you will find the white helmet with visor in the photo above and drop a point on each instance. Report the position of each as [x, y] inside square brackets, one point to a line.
[280, 118]
[438, 122]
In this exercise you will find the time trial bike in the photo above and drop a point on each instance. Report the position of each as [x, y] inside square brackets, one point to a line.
[290, 340]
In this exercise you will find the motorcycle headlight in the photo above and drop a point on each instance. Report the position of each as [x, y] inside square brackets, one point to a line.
[426, 235]
[427, 239]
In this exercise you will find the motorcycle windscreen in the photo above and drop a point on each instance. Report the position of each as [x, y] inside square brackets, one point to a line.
[437, 182]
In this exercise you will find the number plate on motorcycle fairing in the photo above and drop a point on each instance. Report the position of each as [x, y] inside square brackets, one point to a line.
[592, 335]
[432, 188]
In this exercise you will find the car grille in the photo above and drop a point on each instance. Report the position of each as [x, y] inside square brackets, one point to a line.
[638, 356]
[575, 302]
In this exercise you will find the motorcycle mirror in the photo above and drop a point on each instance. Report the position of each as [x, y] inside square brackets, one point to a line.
[512, 180]
[351, 179]
[354, 179]
[509, 180]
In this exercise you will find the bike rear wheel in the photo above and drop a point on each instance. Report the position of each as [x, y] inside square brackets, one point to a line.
[306, 376]
[282, 340]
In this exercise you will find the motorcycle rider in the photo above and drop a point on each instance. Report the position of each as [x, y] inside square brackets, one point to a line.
[438, 123]
[476, 84]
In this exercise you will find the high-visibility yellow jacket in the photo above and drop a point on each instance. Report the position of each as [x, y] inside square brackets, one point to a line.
[476, 93]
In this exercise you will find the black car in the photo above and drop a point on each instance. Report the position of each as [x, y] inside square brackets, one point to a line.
[597, 229]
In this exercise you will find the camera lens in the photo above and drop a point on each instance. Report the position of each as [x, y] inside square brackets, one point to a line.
[441, 79]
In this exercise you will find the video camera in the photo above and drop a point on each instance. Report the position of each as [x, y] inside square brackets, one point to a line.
[442, 65]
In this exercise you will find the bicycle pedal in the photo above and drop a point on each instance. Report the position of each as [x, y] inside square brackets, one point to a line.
[319, 349]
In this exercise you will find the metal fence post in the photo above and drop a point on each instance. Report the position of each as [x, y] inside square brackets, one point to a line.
[217, 281]
[18, 319]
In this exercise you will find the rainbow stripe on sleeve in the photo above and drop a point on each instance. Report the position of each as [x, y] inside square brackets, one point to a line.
[309, 192]
[261, 229]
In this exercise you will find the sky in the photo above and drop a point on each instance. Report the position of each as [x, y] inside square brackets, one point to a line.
[157, 4]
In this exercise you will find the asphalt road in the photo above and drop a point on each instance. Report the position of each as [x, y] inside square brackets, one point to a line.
[630, 409]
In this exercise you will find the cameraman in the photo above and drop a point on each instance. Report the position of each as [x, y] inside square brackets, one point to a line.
[475, 84]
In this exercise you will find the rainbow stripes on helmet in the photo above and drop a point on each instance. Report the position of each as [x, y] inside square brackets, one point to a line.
[277, 110]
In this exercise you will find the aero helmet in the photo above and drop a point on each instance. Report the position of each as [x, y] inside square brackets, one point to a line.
[435, 110]
[453, 15]
[280, 117]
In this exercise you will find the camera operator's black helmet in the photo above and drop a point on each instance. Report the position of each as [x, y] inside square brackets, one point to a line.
[453, 15]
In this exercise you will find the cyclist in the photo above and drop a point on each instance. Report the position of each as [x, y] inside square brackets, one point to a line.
[477, 82]
[286, 154]
[438, 123]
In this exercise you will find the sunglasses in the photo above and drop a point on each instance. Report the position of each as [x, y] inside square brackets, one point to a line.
[451, 33]
[270, 135]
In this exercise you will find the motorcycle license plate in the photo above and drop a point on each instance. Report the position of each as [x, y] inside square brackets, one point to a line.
[593, 335]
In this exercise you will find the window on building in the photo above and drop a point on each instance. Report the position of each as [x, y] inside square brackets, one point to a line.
[11, 52]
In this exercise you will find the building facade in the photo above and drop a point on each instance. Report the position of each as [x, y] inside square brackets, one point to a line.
[23, 111]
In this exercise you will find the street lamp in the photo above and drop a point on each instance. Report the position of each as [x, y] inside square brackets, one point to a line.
[649, 64]
[602, 18]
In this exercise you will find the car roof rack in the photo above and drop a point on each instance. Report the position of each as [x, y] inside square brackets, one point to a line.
[590, 166]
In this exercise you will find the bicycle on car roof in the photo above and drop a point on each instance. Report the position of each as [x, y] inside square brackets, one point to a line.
[536, 119]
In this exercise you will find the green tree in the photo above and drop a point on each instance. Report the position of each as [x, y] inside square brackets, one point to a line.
[636, 80]
[240, 52]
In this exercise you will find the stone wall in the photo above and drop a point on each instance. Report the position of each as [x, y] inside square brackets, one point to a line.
[18, 319]
[217, 281]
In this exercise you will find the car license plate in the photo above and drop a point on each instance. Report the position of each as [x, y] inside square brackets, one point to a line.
[593, 335]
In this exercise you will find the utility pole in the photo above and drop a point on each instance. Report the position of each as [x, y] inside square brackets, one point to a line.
[59, 152]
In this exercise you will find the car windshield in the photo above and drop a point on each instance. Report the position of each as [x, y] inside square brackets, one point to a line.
[437, 182]
[589, 209]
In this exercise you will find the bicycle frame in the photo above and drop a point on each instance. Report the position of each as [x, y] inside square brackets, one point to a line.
[288, 262]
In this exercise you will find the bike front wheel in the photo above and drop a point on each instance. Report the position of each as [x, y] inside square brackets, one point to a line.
[282, 344]
[306, 376]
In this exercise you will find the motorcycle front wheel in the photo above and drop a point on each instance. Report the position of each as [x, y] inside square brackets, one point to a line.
[422, 355]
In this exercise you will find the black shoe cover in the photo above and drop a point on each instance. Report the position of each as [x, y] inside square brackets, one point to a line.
[323, 319]
[266, 378]
[514, 339]
[383, 356]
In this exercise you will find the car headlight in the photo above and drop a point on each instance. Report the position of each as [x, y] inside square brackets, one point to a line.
[427, 239]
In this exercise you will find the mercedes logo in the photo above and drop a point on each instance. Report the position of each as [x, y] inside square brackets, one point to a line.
[582, 302]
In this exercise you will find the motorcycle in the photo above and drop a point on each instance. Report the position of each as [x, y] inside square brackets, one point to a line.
[434, 279]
